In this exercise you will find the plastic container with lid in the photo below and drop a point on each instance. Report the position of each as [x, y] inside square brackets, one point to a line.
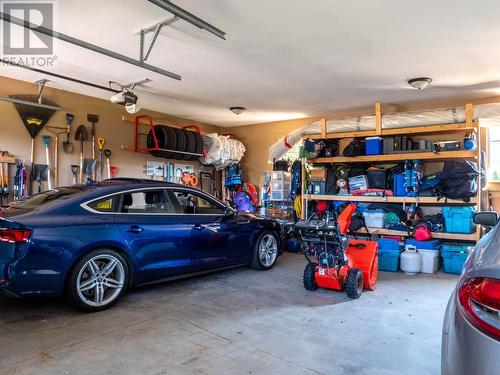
[459, 219]
[374, 145]
[424, 245]
[454, 256]
[430, 260]
[374, 218]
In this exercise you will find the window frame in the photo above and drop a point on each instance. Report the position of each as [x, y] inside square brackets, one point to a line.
[85, 205]
[203, 195]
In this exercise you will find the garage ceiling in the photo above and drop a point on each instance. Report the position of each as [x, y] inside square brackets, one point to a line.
[284, 59]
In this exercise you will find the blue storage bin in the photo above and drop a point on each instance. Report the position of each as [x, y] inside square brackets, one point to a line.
[459, 219]
[454, 257]
[373, 145]
[388, 260]
[399, 185]
[424, 245]
[388, 244]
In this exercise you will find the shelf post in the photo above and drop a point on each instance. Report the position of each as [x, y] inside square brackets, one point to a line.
[322, 125]
[378, 118]
[469, 115]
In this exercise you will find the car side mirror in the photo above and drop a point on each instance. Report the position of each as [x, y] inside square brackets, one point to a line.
[487, 218]
[228, 212]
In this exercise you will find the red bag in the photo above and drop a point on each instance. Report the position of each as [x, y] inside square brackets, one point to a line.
[422, 233]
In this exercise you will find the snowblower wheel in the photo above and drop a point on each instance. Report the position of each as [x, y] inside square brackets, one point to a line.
[354, 283]
[309, 278]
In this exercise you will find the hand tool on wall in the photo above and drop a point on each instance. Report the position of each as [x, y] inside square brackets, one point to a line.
[93, 119]
[67, 145]
[89, 168]
[20, 181]
[107, 154]
[40, 173]
[46, 142]
[82, 136]
[4, 184]
[56, 131]
[74, 171]
[100, 145]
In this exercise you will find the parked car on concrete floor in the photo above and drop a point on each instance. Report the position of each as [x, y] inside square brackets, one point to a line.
[471, 329]
[91, 242]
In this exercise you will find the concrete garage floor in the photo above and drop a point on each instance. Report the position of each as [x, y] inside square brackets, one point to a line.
[235, 322]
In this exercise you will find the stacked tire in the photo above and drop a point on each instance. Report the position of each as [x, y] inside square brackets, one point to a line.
[175, 139]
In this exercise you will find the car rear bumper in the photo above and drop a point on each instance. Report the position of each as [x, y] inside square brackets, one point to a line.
[465, 350]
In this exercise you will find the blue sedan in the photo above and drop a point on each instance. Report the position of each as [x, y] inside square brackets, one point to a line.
[90, 243]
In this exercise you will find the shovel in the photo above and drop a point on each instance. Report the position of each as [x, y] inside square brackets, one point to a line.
[82, 136]
[67, 145]
[46, 142]
[107, 154]
[56, 131]
[100, 145]
[93, 119]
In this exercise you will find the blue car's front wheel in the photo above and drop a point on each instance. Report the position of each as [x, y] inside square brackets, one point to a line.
[98, 280]
[266, 251]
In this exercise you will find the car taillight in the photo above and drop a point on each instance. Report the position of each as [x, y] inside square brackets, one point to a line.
[14, 235]
[479, 299]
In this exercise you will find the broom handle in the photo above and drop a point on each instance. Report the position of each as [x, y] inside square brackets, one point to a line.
[48, 163]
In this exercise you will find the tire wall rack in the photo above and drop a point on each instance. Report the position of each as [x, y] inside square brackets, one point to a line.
[170, 142]
[438, 132]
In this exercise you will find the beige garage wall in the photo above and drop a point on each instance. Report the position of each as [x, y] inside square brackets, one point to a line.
[258, 138]
[15, 138]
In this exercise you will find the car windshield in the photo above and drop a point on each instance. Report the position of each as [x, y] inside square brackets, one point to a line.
[49, 196]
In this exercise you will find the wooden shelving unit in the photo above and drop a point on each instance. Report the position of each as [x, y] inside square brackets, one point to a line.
[371, 199]
[439, 235]
[468, 126]
[431, 156]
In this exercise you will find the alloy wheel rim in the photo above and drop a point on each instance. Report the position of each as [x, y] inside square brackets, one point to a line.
[100, 280]
[268, 250]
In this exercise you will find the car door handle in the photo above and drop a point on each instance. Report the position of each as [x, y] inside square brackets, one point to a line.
[135, 229]
[198, 227]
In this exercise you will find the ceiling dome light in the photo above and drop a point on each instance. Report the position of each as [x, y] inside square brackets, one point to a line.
[419, 83]
[237, 110]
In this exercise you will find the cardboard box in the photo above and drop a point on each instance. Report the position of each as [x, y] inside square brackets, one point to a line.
[318, 174]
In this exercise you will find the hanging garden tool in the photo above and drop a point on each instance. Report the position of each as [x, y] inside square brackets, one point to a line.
[107, 154]
[4, 184]
[74, 171]
[81, 135]
[35, 112]
[20, 181]
[93, 119]
[40, 173]
[67, 145]
[46, 142]
[100, 145]
[89, 169]
[56, 131]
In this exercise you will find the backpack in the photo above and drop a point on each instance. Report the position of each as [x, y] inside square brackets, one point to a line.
[354, 148]
[296, 188]
[458, 180]
[243, 202]
[234, 177]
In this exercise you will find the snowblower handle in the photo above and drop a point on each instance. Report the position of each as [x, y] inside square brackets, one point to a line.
[344, 219]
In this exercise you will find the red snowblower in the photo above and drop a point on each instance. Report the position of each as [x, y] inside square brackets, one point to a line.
[335, 261]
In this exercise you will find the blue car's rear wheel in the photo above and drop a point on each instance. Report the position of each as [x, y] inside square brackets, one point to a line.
[98, 280]
[265, 252]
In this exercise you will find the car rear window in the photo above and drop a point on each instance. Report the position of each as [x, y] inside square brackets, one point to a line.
[47, 197]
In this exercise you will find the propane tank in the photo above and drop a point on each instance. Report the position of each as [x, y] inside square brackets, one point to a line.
[411, 262]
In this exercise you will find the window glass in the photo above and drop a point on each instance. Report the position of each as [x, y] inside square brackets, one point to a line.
[50, 196]
[108, 204]
[191, 203]
[494, 166]
[149, 201]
